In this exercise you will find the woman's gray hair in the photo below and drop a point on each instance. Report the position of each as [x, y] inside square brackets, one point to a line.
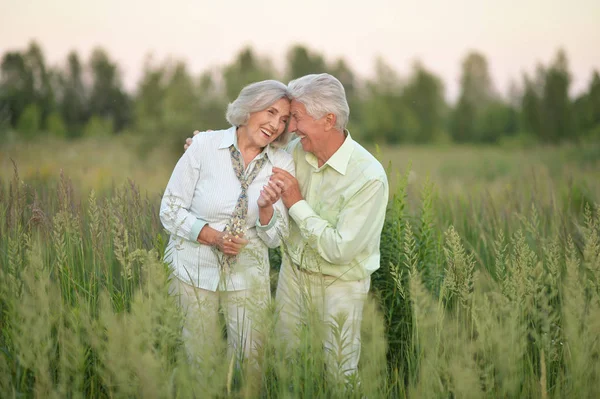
[321, 94]
[257, 97]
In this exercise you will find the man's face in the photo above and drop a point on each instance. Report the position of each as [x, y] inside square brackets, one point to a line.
[311, 131]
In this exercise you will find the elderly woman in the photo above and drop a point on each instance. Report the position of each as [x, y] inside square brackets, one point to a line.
[223, 215]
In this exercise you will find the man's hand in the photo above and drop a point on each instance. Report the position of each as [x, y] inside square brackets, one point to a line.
[290, 193]
[188, 141]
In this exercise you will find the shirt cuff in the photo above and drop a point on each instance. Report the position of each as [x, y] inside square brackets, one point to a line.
[196, 228]
[300, 211]
[268, 225]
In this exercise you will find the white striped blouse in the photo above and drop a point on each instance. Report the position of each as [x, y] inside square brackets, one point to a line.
[204, 189]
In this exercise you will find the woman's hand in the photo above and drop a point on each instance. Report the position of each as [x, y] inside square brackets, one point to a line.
[224, 241]
[270, 194]
[230, 245]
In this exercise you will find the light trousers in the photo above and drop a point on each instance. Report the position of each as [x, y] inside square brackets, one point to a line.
[242, 309]
[338, 305]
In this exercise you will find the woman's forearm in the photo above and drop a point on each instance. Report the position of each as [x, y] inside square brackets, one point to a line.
[265, 214]
[208, 236]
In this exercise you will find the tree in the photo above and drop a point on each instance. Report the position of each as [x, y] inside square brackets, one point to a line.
[594, 99]
[301, 61]
[98, 127]
[556, 105]
[341, 70]
[531, 103]
[25, 81]
[181, 104]
[386, 116]
[29, 120]
[56, 126]
[477, 93]
[16, 85]
[424, 97]
[245, 69]
[107, 98]
[386, 78]
[72, 96]
[171, 103]
[149, 100]
[212, 102]
[40, 76]
[586, 108]
[497, 120]
[463, 121]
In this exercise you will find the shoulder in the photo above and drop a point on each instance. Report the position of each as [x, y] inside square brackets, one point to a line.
[210, 136]
[204, 146]
[207, 140]
[365, 164]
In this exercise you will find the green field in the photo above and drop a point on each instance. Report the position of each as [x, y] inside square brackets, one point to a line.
[489, 283]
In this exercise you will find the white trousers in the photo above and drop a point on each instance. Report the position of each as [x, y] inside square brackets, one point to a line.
[201, 328]
[338, 304]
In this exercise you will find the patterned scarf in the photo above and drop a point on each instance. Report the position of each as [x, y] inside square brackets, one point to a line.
[237, 224]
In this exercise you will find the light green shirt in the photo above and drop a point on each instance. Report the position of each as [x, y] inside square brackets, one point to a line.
[336, 229]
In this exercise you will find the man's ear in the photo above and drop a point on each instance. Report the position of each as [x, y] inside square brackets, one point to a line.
[330, 120]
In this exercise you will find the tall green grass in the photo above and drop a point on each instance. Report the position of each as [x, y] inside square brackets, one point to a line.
[480, 294]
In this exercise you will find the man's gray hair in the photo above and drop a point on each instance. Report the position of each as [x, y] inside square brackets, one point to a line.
[321, 94]
[257, 97]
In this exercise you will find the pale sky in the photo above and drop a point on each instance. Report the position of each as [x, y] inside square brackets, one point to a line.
[513, 34]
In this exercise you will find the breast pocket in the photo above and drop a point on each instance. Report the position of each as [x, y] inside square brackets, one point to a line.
[331, 208]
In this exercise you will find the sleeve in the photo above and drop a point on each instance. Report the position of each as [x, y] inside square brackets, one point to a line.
[278, 227]
[177, 200]
[360, 221]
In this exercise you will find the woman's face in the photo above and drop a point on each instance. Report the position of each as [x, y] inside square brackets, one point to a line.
[263, 127]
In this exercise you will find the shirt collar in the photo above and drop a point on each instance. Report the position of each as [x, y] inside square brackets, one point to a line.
[268, 152]
[340, 159]
[230, 137]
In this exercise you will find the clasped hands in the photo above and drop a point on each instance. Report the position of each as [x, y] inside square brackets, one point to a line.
[282, 184]
[290, 189]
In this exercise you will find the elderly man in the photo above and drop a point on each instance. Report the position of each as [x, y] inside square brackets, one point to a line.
[337, 204]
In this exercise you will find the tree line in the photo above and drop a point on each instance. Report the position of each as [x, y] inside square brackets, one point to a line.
[86, 98]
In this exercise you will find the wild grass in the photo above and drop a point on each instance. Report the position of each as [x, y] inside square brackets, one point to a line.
[489, 291]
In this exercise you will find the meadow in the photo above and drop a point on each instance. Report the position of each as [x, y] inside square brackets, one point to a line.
[489, 285]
